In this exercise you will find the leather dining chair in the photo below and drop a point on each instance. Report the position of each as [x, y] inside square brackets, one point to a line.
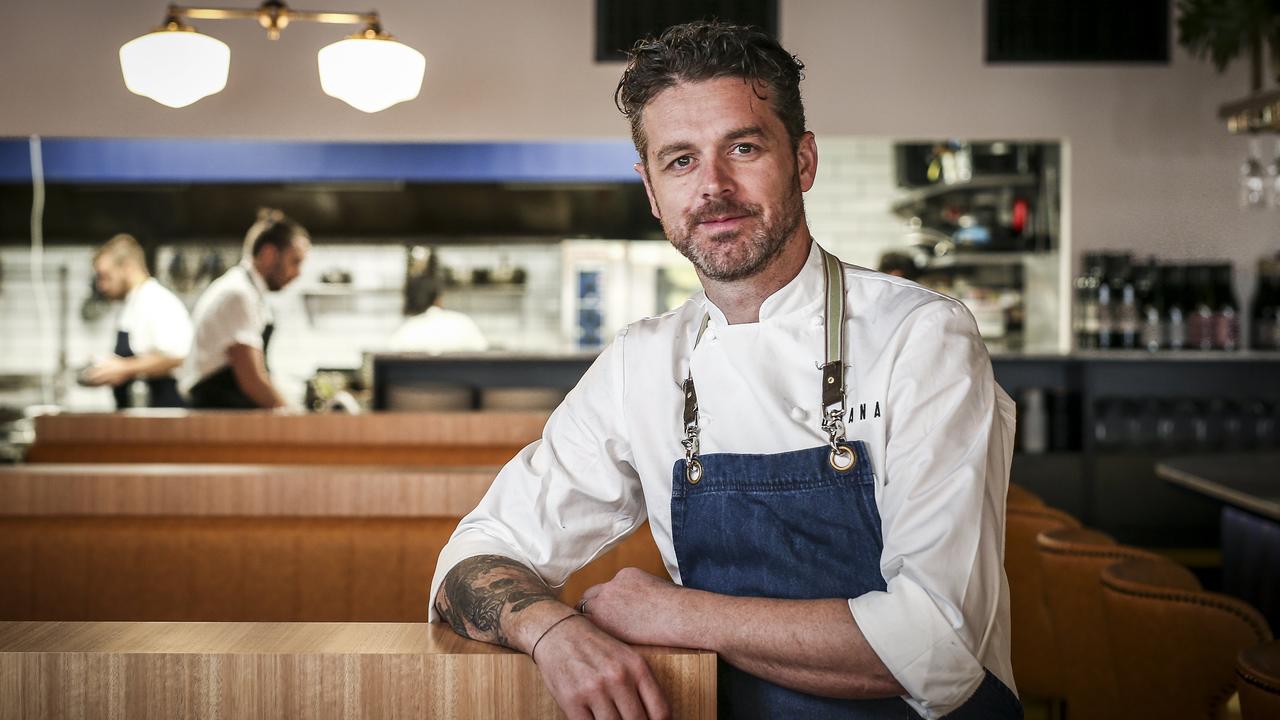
[1072, 560]
[1022, 497]
[1034, 651]
[1174, 644]
[1258, 676]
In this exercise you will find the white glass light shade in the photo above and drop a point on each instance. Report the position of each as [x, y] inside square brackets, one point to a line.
[371, 74]
[175, 67]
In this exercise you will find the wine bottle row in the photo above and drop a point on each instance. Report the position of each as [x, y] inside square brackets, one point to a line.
[1124, 305]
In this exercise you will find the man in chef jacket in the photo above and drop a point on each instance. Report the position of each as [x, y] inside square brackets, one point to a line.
[234, 322]
[820, 450]
[153, 330]
[431, 328]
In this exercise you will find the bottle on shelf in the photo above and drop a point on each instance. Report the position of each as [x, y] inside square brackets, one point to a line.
[1265, 315]
[1110, 294]
[1173, 320]
[1087, 287]
[1200, 317]
[1226, 314]
[1150, 305]
[1125, 308]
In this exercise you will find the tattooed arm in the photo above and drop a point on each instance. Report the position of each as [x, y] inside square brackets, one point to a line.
[487, 597]
[590, 674]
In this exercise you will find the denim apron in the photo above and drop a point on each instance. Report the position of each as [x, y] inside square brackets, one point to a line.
[798, 525]
[162, 391]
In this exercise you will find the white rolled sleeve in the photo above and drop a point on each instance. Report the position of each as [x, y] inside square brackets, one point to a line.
[566, 498]
[241, 321]
[170, 327]
[942, 514]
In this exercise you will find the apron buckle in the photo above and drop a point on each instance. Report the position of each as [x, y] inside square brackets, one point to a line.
[693, 471]
[842, 458]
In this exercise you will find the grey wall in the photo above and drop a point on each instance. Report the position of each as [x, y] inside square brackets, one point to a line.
[1150, 167]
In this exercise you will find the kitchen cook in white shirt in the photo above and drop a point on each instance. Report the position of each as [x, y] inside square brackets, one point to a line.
[156, 321]
[920, 394]
[232, 311]
[437, 331]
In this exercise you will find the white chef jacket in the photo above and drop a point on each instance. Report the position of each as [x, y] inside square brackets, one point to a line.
[232, 311]
[438, 330]
[921, 394]
[156, 320]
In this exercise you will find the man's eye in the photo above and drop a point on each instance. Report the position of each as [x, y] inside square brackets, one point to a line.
[744, 148]
[681, 162]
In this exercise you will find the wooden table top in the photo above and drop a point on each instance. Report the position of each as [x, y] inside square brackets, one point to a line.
[343, 671]
[1250, 481]
[205, 638]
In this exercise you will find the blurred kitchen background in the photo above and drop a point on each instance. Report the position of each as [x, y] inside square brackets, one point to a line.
[542, 267]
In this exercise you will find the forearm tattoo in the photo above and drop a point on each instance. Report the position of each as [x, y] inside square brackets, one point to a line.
[478, 590]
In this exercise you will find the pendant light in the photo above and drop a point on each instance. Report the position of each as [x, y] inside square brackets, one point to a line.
[176, 66]
[370, 71]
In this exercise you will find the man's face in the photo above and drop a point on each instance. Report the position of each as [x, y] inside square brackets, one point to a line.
[722, 176]
[283, 267]
[109, 276]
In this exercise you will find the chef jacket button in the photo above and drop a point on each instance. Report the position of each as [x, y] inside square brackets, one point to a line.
[817, 320]
[799, 414]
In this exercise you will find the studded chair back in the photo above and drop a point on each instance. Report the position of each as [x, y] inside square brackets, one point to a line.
[1174, 645]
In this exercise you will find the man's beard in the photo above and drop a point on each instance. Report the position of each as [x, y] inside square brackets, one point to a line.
[272, 278]
[759, 247]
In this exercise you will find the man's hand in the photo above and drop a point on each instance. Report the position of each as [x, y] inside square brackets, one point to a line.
[590, 674]
[639, 608]
[593, 675]
[111, 370]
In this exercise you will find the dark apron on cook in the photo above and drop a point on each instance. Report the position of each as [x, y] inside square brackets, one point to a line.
[220, 390]
[797, 525]
[162, 391]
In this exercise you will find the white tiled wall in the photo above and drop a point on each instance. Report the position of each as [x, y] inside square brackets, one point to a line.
[848, 207]
[29, 338]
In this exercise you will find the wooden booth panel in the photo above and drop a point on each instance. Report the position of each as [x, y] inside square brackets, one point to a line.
[274, 454]
[340, 671]
[241, 569]
[220, 569]
[438, 439]
[248, 543]
[241, 427]
[192, 490]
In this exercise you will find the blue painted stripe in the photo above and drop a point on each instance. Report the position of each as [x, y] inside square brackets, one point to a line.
[231, 161]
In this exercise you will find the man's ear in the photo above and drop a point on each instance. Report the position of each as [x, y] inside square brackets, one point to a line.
[807, 161]
[268, 255]
[643, 172]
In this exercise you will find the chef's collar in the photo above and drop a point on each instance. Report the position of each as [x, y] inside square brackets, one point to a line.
[259, 283]
[134, 293]
[805, 293]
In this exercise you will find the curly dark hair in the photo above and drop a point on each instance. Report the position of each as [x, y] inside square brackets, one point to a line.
[705, 50]
[272, 228]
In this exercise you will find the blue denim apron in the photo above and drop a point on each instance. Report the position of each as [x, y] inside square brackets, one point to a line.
[798, 525]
